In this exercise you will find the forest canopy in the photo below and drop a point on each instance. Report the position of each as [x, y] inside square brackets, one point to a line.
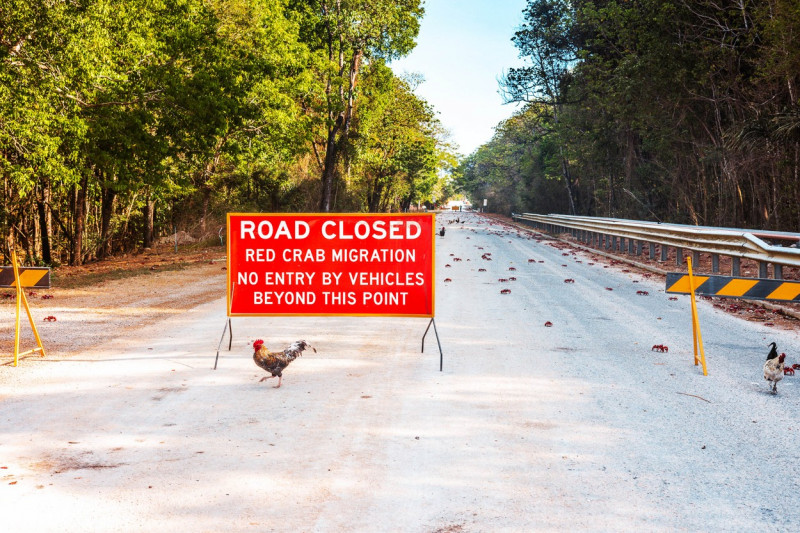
[125, 120]
[681, 111]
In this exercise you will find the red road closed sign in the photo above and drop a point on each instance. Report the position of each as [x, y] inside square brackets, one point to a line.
[331, 264]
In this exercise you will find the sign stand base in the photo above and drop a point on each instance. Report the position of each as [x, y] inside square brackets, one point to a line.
[441, 356]
[22, 301]
[228, 328]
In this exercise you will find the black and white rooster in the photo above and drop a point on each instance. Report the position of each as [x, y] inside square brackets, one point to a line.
[773, 368]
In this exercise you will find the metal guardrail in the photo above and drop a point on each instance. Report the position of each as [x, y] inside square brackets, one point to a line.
[737, 244]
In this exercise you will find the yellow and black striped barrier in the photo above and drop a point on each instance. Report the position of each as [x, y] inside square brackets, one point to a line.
[31, 277]
[724, 286]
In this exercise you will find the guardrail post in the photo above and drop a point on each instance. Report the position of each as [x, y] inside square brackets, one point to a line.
[695, 257]
[763, 271]
[777, 270]
[715, 263]
[736, 266]
[638, 248]
[678, 256]
[664, 253]
[630, 246]
[652, 251]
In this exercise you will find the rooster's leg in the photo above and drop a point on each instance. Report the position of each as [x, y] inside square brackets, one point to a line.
[279, 382]
[265, 378]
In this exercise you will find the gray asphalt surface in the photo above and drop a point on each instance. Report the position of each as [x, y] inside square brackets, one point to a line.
[578, 426]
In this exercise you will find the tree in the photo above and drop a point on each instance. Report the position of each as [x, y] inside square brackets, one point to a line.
[394, 142]
[546, 41]
[343, 35]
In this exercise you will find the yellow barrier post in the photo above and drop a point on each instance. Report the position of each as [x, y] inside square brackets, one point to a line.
[23, 300]
[697, 337]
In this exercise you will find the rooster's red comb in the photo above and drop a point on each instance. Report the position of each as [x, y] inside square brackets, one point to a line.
[258, 343]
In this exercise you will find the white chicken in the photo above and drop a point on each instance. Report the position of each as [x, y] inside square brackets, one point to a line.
[773, 368]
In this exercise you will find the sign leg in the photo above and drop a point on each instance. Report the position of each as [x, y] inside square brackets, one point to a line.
[16, 328]
[425, 334]
[441, 355]
[222, 338]
[438, 342]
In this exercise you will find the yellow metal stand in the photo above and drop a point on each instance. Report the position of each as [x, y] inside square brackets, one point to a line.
[23, 300]
[697, 337]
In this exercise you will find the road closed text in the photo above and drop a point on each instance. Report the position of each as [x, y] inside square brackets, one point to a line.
[331, 229]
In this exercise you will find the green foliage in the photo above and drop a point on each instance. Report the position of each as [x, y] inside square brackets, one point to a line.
[345, 36]
[395, 154]
[662, 110]
[124, 119]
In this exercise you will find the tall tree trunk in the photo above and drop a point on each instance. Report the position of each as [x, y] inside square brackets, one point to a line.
[149, 217]
[329, 171]
[108, 199]
[339, 131]
[568, 181]
[374, 199]
[45, 221]
[79, 222]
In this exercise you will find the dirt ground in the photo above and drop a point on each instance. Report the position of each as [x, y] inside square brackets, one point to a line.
[100, 297]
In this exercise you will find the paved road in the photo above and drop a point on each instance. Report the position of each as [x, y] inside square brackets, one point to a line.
[578, 426]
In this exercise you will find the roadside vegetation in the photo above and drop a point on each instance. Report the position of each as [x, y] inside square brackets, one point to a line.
[123, 121]
[676, 111]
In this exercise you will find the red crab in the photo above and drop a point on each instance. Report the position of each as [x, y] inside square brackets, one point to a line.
[50, 318]
[569, 280]
[447, 280]
[642, 293]
[548, 324]
[788, 371]
[660, 348]
[505, 291]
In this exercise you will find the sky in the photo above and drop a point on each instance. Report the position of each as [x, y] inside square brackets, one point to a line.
[463, 48]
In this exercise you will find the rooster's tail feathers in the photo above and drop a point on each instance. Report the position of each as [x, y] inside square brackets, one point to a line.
[299, 346]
